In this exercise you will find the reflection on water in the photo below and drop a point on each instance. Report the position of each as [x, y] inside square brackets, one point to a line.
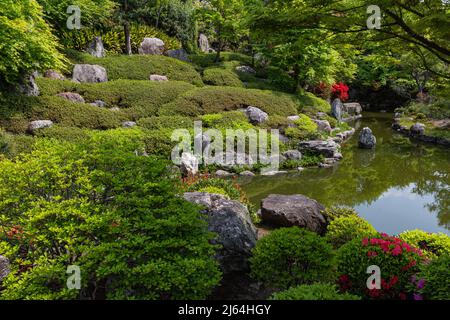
[401, 185]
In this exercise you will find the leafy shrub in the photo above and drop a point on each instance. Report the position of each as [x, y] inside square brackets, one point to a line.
[221, 77]
[70, 134]
[335, 212]
[305, 123]
[227, 120]
[312, 104]
[136, 98]
[166, 122]
[344, 229]
[18, 111]
[397, 259]
[433, 280]
[214, 190]
[116, 215]
[431, 244]
[291, 256]
[158, 142]
[140, 67]
[209, 60]
[6, 143]
[317, 291]
[114, 39]
[218, 99]
[276, 122]
[306, 161]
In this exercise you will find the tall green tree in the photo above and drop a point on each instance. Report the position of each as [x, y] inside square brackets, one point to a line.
[26, 41]
[227, 19]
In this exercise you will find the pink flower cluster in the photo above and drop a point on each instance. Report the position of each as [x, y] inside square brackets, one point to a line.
[391, 245]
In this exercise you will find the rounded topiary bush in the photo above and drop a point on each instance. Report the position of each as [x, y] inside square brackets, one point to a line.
[317, 291]
[397, 260]
[433, 280]
[431, 244]
[291, 256]
[345, 229]
[221, 77]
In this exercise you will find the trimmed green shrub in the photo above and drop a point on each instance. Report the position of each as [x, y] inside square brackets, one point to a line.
[433, 280]
[344, 229]
[18, 111]
[431, 244]
[116, 215]
[227, 120]
[317, 291]
[140, 67]
[214, 190]
[337, 212]
[218, 99]
[158, 142]
[221, 77]
[291, 256]
[166, 122]
[397, 259]
[209, 59]
[313, 104]
[71, 134]
[137, 98]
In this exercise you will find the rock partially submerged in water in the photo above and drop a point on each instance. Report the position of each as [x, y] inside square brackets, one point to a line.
[366, 139]
[296, 210]
[235, 230]
[327, 148]
[417, 129]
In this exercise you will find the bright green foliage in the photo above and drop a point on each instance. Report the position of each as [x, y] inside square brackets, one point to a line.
[93, 12]
[207, 60]
[338, 212]
[136, 98]
[313, 104]
[227, 120]
[26, 42]
[111, 212]
[305, 129]
[398, 261]
[217, 99]
[214, 190]
[114, 39]
[71, 134]
[158, 142]
[140, 67]
[433, 280]
[317, 291]
[221, 77]
[166, 122]
[291, 256]
[431, 244]
[344, 229]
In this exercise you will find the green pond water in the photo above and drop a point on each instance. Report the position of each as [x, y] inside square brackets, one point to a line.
[401, 185]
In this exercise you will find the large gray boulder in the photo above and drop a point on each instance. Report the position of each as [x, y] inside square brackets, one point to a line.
[179, 54]
[203, 43]
[96, 48]
[327, 148]
[353, 108]
[366, 139]
[417, 129]
[52, 74]
[71, 96]
[152, 46]
[29, 86]
[295, 210]
[158, 78]
[5, 268]
[189, 164]
[246, 69]
[256, 115]
[39, 124]
[336, 109]
[323, 125]
[231, 221]
[293, 155]
[89, 73]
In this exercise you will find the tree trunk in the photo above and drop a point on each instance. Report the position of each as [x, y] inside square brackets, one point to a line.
[126, 28]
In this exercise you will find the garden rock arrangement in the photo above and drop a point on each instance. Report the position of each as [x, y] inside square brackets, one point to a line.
[336, 109]
[4, 268]
[96, 48]
[366, 139]
[417, 131]
[189, 164]
[158, 78]
[52, 74]
[29, 87]
[256, 115]
[246, 69]
[87, 73]
[179, 54]
[39, 124]
[235, 231]
[71, 96]
[327, 148]
[353, 108]
[203, 43]
[295, 210]
[152, 46]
